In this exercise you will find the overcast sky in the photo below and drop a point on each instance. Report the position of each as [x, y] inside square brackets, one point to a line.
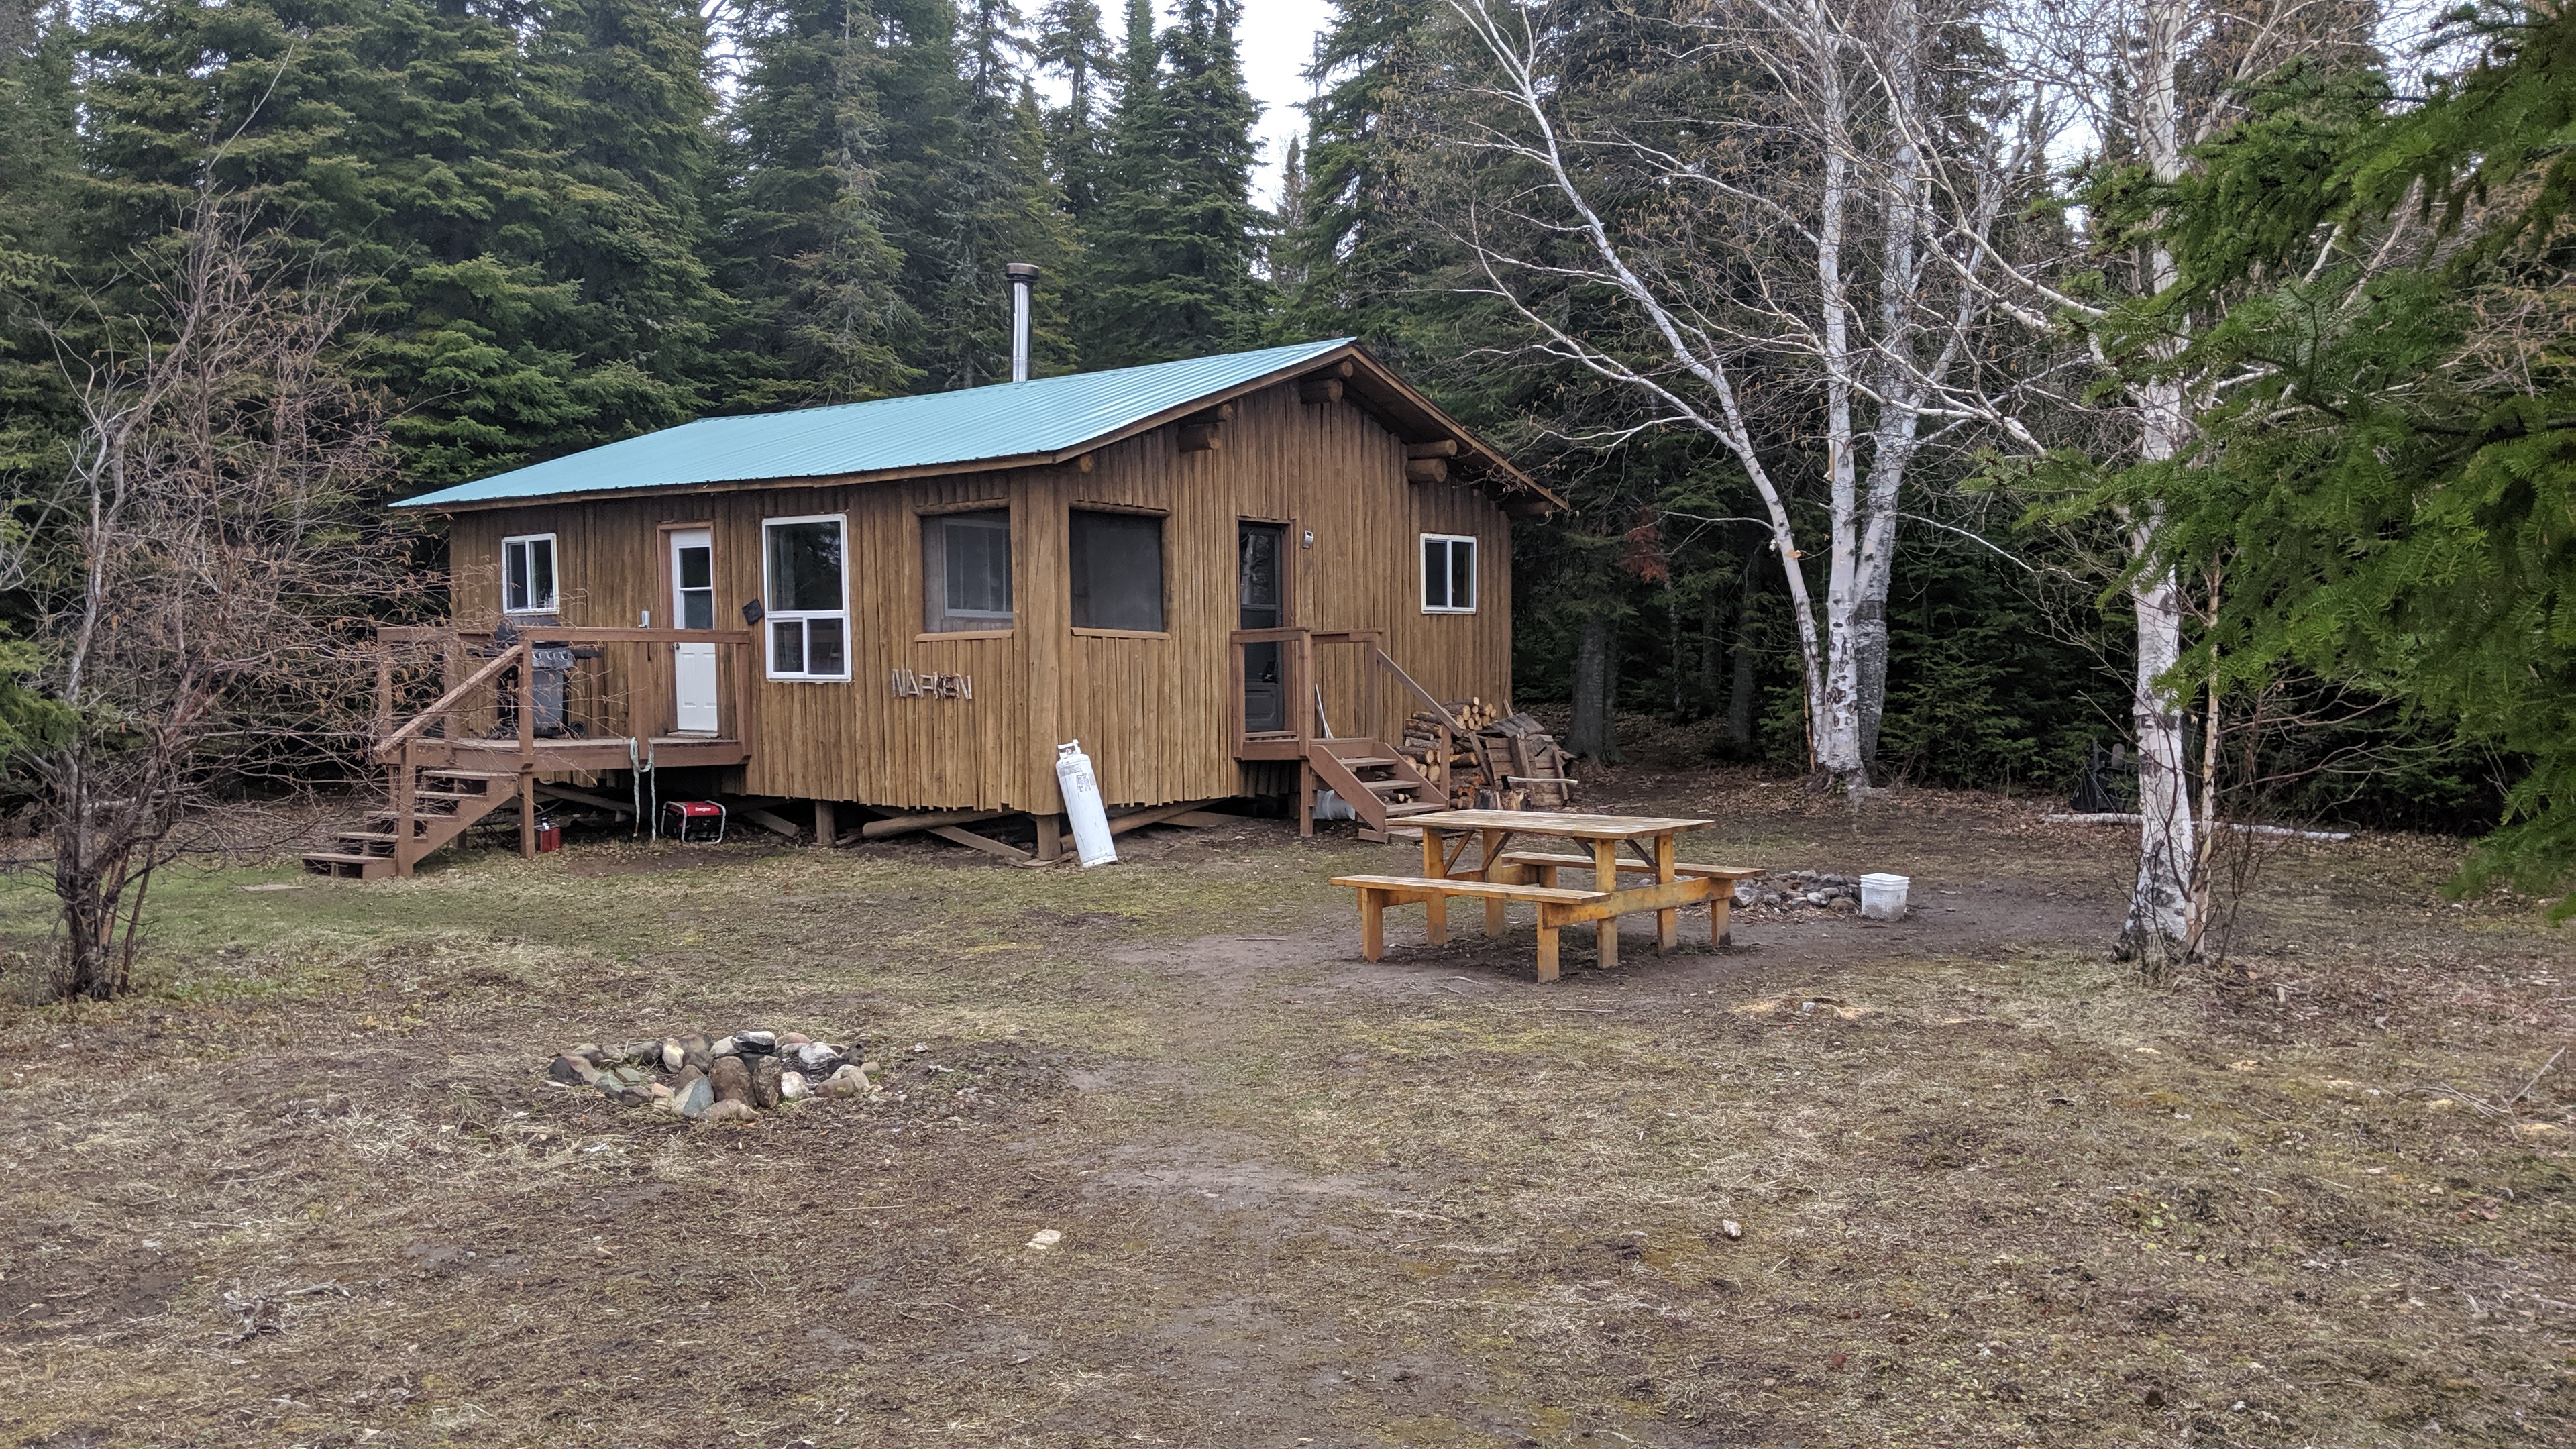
[1278, 40]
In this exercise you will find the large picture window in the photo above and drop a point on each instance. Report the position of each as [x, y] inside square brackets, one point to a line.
[1117, 571]
[528, 574]
[1448, 574]
[966, 571]
[806, 597]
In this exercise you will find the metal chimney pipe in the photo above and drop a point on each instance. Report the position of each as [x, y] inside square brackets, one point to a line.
[1023, 278]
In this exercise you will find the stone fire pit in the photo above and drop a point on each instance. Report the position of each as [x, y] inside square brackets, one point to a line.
[730, 1079]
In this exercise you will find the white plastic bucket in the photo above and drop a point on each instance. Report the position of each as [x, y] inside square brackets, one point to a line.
[1882, 897]
[1082, 808]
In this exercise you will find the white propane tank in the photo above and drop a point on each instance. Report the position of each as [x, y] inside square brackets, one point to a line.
[1082, 806]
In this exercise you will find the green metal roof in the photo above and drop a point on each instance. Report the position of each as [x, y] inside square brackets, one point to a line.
[978, 425]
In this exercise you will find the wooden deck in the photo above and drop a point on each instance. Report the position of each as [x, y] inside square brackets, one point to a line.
[476, 749]
[588, 752]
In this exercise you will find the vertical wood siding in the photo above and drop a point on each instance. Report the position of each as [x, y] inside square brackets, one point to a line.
[1153, 713]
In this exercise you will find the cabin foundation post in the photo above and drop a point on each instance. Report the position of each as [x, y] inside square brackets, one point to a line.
[527, 811]
[1305, 799]
[824, 823]
[1050, 837]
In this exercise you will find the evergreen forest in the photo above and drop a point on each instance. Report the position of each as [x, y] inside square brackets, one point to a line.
[2165, 406]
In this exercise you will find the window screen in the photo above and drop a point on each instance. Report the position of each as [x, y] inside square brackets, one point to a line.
[528, 574]
[1448, 574]
[966, 571]
[1117, 571]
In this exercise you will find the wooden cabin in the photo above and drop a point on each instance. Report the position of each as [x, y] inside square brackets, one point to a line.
[1227, 576]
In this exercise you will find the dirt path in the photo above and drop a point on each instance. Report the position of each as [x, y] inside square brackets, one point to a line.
[308, 1189]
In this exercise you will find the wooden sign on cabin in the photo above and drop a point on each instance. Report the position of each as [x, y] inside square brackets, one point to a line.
[910, 685]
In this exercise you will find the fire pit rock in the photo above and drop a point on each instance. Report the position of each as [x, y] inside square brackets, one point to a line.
[731, 1078]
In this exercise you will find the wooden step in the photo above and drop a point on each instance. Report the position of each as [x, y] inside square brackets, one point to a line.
[1389, 787]
[1414, 809]
[349, 867]
[1366, 762]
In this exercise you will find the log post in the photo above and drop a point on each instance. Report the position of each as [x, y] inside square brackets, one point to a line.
[406, 815]
[527, 749]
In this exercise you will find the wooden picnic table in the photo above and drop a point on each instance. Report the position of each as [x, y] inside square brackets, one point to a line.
[1497, 877]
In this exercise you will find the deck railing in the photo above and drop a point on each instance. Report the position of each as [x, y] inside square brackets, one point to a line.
[620, 706]
[1304, 718]
[620, 684]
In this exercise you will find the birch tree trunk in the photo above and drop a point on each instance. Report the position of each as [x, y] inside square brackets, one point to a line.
[2163, 906]
[1837, 722]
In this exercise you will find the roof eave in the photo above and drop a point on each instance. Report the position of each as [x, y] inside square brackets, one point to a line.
[1386, 393]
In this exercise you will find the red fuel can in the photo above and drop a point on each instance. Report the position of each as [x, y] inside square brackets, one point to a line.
[549, 836]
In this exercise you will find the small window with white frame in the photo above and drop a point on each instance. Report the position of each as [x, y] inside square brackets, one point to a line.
[805, 592]
[1448, 573]
[528, 574]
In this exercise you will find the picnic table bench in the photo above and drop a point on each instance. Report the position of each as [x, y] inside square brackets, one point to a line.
[1497, 879]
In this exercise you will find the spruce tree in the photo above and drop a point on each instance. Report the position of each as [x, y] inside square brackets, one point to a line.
[1354, 245]
[823, 317]
[999, 206]
[1282, 261]
[1072, 44]
[39, 102]
[394, 140]
[622, 84]
[1171, 253]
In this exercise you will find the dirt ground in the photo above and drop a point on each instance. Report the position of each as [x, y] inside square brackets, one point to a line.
[309, 1187]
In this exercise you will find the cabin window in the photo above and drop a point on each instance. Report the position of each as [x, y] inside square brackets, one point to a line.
[966, 571]
[1448, 574]
[1117, 571]
[807, 598]
[528, 574]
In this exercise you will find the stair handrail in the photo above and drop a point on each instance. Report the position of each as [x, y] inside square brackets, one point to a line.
[520, 654]
[1410, 683]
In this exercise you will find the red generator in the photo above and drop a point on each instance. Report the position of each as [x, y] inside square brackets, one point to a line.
[683, 813]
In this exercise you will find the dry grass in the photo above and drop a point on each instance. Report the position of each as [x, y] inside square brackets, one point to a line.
[306, 1188]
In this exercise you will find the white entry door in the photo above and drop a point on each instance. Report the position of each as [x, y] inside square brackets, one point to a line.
[693, 606]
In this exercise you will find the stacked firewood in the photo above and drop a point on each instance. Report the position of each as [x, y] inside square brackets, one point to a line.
[1440, 753]
[1494, 760]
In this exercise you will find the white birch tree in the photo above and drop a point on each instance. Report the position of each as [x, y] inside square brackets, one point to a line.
[2161, 76]
[1825, 278]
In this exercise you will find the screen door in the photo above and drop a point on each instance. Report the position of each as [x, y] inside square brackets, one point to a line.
[693, 606]
[1261, 553]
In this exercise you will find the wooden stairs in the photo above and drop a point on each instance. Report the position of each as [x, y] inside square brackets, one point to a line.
[445, 801]
[1381, 785]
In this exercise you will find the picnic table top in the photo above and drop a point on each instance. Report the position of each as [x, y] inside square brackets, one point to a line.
[1552, 822]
